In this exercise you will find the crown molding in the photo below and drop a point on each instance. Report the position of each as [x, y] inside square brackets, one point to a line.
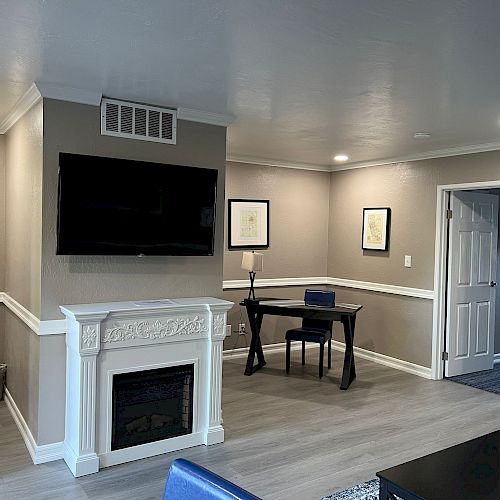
[427, 155]
[22, 106]
[194, 115]
[277, 163]
[70, 94]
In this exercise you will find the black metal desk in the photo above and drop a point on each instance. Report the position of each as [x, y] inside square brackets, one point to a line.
[345, 313]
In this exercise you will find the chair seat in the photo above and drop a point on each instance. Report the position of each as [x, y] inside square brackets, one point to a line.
[309, 335]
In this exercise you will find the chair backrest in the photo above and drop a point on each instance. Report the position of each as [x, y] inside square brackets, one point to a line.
[321, 298]
[188, 481]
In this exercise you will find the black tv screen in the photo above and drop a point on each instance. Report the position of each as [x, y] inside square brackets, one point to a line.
[108, 206]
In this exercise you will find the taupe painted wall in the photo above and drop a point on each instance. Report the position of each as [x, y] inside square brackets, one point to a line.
[22, 258]
[22, 355]
[273, 327]
[23, 209]
[2, 243]
[75, 128]
[410, 189]
[497, 303]
[299, 211]
[298, 219]
[2, 213]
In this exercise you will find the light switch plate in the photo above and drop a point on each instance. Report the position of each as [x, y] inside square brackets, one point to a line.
[228, 330]
[407, 260]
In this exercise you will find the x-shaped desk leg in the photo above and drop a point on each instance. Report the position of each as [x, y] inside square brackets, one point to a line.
[255, 320]
[349, 371]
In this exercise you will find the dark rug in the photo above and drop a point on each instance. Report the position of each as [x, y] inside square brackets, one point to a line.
[363, 491]
[489, 380]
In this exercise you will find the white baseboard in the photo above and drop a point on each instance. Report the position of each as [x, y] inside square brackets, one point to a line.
[496, 358]
[381, 359]
[39, 454]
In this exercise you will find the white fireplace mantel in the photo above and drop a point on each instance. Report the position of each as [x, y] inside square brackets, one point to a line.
[109, 338]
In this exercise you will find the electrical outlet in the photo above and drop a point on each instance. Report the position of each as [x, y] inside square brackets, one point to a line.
[241, 328]
[228, 330]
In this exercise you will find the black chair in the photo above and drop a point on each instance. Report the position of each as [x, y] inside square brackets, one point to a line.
[313, 330]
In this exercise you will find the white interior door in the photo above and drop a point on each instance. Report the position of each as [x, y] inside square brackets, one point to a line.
[472, 264]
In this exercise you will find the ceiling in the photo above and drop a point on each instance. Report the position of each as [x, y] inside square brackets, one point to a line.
[304, 80]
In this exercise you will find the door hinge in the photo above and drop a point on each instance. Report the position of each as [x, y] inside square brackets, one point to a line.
[449, 213]
[445, 356]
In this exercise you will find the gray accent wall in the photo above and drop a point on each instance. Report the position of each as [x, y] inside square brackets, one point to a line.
[75, 128]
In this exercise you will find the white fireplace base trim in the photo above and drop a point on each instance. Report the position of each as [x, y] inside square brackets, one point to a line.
[151, 449]
[106, 339]
[215, 435]
[80, 465]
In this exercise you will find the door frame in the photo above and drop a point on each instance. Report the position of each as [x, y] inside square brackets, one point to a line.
[440, 247]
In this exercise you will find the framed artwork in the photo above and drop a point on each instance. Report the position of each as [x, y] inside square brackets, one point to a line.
[248, 223]
[376, 227]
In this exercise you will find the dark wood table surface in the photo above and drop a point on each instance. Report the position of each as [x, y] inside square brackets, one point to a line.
[345, 313]
[468, 471]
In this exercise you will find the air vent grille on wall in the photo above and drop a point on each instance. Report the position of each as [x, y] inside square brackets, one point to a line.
[137, 121]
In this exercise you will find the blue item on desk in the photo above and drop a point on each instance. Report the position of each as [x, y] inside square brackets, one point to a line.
[189, 481]
[322, 298]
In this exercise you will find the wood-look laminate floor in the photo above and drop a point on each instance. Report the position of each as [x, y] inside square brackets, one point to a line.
[287, 437]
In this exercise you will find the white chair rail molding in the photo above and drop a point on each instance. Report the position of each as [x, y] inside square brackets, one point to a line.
[142, 378]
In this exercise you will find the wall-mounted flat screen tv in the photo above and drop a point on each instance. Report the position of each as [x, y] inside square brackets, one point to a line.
[109, 206]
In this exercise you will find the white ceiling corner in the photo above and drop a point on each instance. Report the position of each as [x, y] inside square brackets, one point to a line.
[194, 115]
[70, 94]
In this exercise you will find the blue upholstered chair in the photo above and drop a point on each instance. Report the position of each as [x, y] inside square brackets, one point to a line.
[188, 481]
[313, 330]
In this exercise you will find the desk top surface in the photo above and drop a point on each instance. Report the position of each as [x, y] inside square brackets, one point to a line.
[469, 470]
[269, 304]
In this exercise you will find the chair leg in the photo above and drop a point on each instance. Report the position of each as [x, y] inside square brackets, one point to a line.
[303, 352]
[321, 353]
[329, 353]
[288, 342]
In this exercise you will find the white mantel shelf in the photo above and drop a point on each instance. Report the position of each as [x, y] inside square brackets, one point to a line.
[105, 339]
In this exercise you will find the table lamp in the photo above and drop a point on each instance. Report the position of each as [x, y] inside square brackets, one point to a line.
[252, 262]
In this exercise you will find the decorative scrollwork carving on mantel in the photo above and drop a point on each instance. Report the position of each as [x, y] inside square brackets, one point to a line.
[157, 329]
[89, 336]
[218, 325]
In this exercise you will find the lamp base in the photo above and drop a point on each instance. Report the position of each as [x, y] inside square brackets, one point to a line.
[251, 292]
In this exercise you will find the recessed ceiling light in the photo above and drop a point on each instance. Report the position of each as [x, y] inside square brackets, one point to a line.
[340, 158]
[421, 135]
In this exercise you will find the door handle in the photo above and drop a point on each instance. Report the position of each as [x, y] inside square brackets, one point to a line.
[493, 283]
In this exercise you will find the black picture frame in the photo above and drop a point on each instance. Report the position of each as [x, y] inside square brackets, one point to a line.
[237, 240]
[383, 245]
